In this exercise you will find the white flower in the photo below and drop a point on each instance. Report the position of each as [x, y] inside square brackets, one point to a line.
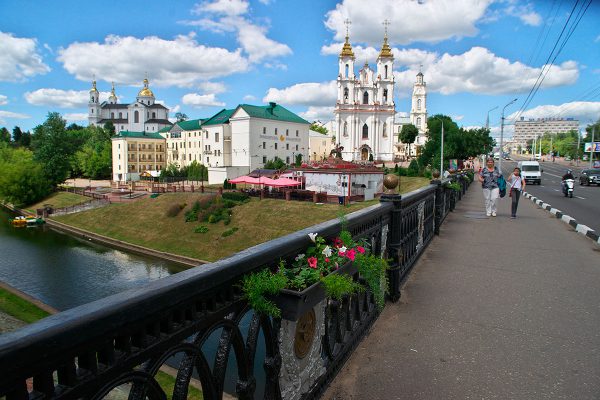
[343, 249]
[299, 257]
[327, 251]
[313, 237]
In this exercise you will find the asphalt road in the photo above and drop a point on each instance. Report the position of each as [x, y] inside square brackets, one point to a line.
[585, 204]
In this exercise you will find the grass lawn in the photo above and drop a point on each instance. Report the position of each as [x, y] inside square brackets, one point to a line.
[58, 200]
[20, 308]
[145, 223]
[409, 183]
[167, 382]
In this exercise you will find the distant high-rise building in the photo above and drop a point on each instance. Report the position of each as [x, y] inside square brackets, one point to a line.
[530, 129]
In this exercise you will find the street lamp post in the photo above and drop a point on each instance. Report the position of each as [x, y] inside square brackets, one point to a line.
[502, 135]
[487, 120]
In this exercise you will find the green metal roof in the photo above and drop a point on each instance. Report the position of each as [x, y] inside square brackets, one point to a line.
[272, 111]
[140, 135]
[191, 125]
[222, 117]
[165, 129]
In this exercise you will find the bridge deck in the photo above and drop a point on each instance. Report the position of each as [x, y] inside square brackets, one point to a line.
[495, 308]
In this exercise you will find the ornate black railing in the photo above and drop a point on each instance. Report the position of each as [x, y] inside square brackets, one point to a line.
[197, 327]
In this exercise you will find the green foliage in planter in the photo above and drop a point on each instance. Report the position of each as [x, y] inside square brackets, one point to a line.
[300, 278]
[339, 285]
[258, 285]
[454, 186]
[229, 232]
[373, 270]
[470, 176]
[201, 229]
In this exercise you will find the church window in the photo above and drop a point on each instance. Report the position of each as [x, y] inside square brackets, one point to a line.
[346, 71]
[92, 110]
[136, 116]
[386, 72]
[385, 94]
[365, 132]
[153, 115]
[345, 128]
[418, 104]
[112, 115]
[120, 115]
[419, 122]
[345, 94]
[384, 129]
[366, 98]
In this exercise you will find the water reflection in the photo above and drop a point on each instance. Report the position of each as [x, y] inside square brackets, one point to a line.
[65, 272]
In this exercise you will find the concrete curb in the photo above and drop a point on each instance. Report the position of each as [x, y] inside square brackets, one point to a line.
[579, 228]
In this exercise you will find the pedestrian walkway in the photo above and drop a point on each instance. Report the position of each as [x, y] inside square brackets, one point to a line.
[495, 308]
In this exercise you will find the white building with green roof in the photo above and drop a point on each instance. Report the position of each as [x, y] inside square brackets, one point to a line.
[184, 142]
[136, 152]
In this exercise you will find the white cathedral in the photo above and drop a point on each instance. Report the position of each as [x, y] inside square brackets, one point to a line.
[143, 115]
[365, 110]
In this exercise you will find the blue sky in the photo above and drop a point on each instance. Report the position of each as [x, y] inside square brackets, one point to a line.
[203, 56]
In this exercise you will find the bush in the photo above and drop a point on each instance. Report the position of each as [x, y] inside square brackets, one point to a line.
[192, 214]
[229, 232]
[413, 168]
[182, 206]
[227, 220]
[201, 229]
[173, 210]
[235, 196]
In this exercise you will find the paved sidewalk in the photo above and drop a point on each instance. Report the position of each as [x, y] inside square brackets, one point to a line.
[495, 309]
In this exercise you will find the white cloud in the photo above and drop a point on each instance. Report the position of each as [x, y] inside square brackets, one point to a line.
[212, 87]
[231, 16]
[309, 94]
[226, 7]
[197, 100]
[19, 58]
[11, 115]
[457, 117]
[60, 98]
[318, 114]
[411, 21]
[249, 97]
[584, 111]
[481, 71]
[180, 62]
[524, 12]
[3, 100]
[76, 117]
[597, 39]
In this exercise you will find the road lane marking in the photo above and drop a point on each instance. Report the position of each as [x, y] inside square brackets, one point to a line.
[557, 176]
[556, 190]
[582, 198]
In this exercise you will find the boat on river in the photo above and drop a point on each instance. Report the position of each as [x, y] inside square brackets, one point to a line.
[26, 221]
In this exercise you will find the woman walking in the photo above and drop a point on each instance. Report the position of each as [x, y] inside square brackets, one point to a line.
[517, 184]
[488, 176]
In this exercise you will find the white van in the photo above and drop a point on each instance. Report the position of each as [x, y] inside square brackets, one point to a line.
[531, 171]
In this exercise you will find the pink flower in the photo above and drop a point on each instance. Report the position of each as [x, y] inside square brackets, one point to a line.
[338, 242]
[326, 259]
[312, 262]
[360, 249]
[351, 254]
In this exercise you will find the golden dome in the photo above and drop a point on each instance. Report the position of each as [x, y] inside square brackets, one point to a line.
[385, 49]
[347, 49]
[93, 89]
[145, 92]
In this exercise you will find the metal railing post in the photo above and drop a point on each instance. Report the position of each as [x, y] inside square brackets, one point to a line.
[394, 237]
[438, 205]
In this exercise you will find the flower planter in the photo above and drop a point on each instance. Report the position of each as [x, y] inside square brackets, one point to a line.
[294, 304]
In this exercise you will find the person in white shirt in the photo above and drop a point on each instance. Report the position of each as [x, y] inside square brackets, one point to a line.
[516, 184]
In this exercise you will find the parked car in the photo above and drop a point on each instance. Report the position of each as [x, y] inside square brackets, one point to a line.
[589, 176]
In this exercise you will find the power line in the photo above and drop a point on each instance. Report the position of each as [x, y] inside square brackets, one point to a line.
[554, 54]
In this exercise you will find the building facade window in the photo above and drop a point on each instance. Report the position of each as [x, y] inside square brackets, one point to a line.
[276, 131]
[275, 146]
[264, 130]
[384, 129]
[365, 98]
[365, 131]
[386, 72]
[216, 137]
[136, 116]
[418, 104]
[264, 160]
[419, 122]
[385, 94]
[345, 95]
[296, 132]
[287, 132]
[345, 128]
[287, 146]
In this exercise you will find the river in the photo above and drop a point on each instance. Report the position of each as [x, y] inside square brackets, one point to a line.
[65, 272]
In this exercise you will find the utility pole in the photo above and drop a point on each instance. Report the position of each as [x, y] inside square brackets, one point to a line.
[578, 146]
[592, 148]
[487, 120]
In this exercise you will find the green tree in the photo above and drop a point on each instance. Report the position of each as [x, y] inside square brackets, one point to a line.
[276, 163]
[317, 127]
[17, 136]
[4, 135]
[22, 180]
[52, 148]
[408, 134]
[197, 172]
[181, 117]
[109, 127]
[298, 161]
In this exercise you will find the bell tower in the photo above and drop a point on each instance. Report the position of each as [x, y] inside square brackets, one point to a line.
[418, 111]
[94, 105]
